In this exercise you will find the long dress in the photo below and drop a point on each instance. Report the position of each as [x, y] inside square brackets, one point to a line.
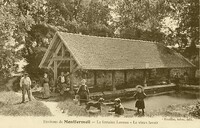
[140, 100]
[46, 92]
[83, 92]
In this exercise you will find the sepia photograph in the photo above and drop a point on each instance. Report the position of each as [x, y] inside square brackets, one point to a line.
[99, 63]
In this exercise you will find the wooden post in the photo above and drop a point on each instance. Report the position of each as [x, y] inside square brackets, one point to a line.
[71, 82]
[149, 73]
[55, 71]
[95, 78]
[145, 78]
[113, 81]
[63, 50]
[71, 76]
[125, 77]
[145, 73]
[169, 76]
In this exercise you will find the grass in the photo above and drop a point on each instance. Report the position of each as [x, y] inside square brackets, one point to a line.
[10, 105]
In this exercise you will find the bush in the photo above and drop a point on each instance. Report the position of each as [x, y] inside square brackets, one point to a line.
[196, 111]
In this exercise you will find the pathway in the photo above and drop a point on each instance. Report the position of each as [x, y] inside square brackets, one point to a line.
[53, 107]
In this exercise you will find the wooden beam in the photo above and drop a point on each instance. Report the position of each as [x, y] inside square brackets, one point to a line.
[71, 54]
[63, 50]
[50, 63]
[62, 58]
[76, 69]
[113, 81]
[145, 77]
[74, 64]
[60, 63]
[71, 64]
[169, 76]
[55, 71]
[95, 78]
[55, 54]
[125, 77]
[48, 50]
[149, 71]
[71, 76]
[51, 68]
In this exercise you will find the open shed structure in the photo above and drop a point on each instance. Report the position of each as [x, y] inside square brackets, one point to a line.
[80, 52]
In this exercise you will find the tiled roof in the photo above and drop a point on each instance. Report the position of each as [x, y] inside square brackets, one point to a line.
[105, 53]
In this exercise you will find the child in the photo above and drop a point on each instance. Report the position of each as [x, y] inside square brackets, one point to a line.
[95, 104]
[83, 92]
[139, 96]
[76, 99]
[118, 108]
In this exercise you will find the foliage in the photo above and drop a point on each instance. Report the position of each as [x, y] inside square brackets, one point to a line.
[186, 35]
[186, 12]
[12, 28]
[140, 19]
[196, 110]
[32, 24]
[73, 16]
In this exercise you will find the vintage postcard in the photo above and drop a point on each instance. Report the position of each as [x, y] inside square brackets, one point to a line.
[99, 63]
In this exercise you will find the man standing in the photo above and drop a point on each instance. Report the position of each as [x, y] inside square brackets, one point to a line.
[25, 84]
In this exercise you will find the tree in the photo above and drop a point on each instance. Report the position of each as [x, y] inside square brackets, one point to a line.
[140, 19]
[186, 34]
[12, 25]
[32, 24]
[186, 13]
[95, 19]
[74, 16]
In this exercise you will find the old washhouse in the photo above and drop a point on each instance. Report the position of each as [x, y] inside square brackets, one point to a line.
[111, 64]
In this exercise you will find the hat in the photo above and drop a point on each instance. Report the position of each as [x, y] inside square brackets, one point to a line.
[25, 73]
[83, 80]
[139, 86]
[101, 99]
[117, 100]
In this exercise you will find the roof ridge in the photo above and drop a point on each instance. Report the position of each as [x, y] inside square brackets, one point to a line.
[114, 38]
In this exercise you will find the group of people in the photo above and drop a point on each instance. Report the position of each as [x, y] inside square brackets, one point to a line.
[139, 104]
[25, 84]
[82, 94]
[62, 84]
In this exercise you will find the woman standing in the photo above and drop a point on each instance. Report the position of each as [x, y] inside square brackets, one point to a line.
[83, 92]
[46, 90]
